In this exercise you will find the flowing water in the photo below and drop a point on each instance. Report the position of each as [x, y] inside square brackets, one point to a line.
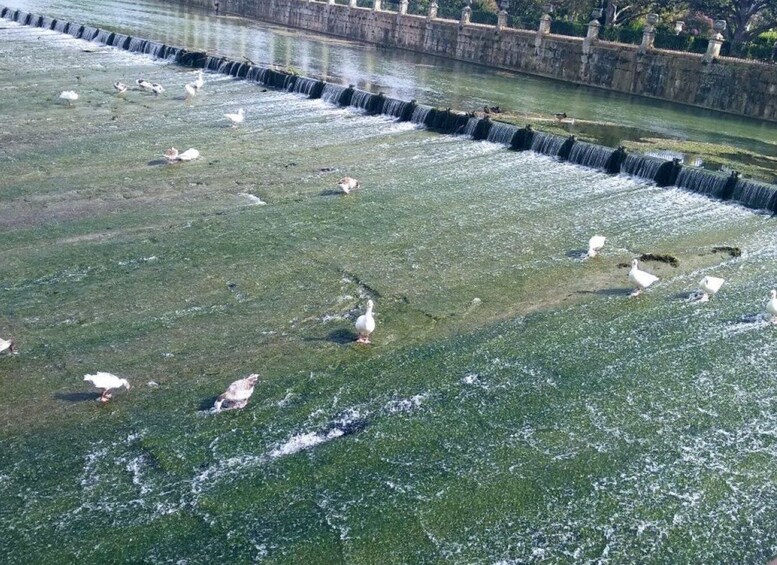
[515, 405]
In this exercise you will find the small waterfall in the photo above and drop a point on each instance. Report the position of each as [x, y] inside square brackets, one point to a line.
[755, 195]
[701, 181]
[60, 26]
[393, 107]
[546, 143]
[360, 99]
[256, 74]
[46, 22]
[75, 30]
[213, 63]
[89, 33]
[121, 41]
[20, 17]
[590, 155]
[332, 93]
[420, 113]
[501, 133]
[469, 129]
[303, 85]
[137, 45]
[642, 166]
[105, 37]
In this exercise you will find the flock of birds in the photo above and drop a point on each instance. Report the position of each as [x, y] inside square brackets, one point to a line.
[237, 394]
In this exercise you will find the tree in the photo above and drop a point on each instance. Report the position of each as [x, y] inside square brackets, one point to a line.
[746, 19]
[624, 12]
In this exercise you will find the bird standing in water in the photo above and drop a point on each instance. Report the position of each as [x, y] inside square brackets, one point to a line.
[365, 324]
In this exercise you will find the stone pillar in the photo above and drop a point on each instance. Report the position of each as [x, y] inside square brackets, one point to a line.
[466, 14]
[678, 27]
[649, 33]
[501, 20]
[352, 3]
[432, 11]
[403, 6]
[593, 31]
[716, 41]
[331, 2]
[544, 28]
[376, 5]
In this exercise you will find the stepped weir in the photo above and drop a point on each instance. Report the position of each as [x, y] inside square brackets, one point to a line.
[752, 194]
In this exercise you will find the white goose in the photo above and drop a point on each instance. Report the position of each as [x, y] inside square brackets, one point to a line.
[157, 88]
[106, 381]
[347, 184]
[710, 287]
[365, 324]
[236, 118]
[172, 155]
[640, 279]
[190, 91]
[120, 87]
[199, 82]
[8, 345]
[143, 84]
[69, 96]
[771, 306]
[237, 394]
[595, 244]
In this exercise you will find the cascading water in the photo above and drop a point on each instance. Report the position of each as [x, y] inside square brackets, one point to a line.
[755, 195]
[501, 133]
[393, 107]
[642, 166]
[60, 26]
[472, 123]
[361, 99]
[303, 85]
[332, 93]
[103, 36]
[590, 155]
[701, 181]
[89, 33]
[547, 143]
[420, 114]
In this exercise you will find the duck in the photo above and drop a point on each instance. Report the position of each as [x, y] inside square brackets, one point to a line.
[365, 324]
[347, 184]
[709, 287]
[157, 88]
[199, 82]
[69, 96]
[172, 155]
[143, 84]
[640, 279]
[106, 381]
[120, 87]
[236, 118]
[595, 245]
[771, 306]
[561, 116]
[237, 394]
[8, 345]
[190, 90]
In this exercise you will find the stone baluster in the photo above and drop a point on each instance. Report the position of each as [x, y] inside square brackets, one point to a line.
[716, 41]
[351, 3]
[544, 28]
[331, 2]
[403, 4]
[466, 14]
[376, 5]
[501, 20]
[649, 33]
[432, 11]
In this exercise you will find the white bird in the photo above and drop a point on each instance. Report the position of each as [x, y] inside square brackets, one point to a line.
[640, 279]
[172, 155]
[69, 96]
[709, 287]
[200, 82]
[8, 345]
[106, 381]
[120, 87]
[347, 184]
[190, 90]
[157, 88]
[143, 84]
[365, 324]
[237, 393]
[595, 244]
[236, 118]
[771, 306]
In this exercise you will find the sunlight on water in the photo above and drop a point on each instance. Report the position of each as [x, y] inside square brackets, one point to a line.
[515, 406]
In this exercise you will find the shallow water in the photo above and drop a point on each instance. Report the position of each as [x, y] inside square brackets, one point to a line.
[515, 405]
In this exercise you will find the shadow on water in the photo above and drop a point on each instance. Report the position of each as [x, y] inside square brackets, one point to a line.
[331, 192]
[578, 254]
[157, 162]
[76, 396]
[341, 336]
[207, 403]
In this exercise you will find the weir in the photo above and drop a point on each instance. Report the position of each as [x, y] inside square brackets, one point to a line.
[755, 195]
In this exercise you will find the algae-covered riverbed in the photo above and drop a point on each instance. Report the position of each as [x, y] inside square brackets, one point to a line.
[515, 405]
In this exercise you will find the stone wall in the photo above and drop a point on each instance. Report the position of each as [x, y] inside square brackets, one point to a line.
[730, 85]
